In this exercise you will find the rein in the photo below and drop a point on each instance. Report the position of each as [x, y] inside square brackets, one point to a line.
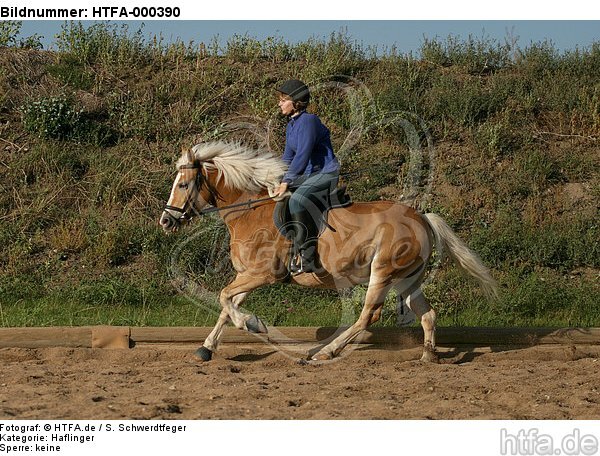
[246, 204]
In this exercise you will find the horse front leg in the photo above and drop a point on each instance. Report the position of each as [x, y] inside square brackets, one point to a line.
[239, 318]
[211, 343]
[231, 298]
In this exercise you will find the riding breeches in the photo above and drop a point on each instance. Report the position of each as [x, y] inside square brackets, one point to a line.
[313, 188]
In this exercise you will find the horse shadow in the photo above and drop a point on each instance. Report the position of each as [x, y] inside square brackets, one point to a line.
[248, 357]
[455, 346]
[468, 354]
[456, 355]
[411, 338]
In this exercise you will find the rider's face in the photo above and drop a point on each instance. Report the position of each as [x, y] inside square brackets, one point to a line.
[286, 105]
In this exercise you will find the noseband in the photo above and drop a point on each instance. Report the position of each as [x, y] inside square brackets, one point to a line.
[184, 217]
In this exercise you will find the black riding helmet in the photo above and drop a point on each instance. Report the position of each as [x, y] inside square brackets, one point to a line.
[296, 90]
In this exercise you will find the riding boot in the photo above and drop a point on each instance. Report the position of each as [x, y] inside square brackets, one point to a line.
[305, 244]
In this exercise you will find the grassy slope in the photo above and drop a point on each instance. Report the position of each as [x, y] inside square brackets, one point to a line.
[89, 136]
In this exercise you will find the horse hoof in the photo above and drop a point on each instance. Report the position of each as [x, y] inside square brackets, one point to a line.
[322, 357]
[255, 325]
[429, 357]
[204, 354]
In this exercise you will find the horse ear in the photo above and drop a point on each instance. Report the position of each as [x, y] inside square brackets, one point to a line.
[189, 154]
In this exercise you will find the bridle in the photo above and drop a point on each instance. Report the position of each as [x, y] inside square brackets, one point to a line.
[213, 197]
[185, 216]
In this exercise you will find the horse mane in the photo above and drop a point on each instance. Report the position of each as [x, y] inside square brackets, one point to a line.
[241, 167]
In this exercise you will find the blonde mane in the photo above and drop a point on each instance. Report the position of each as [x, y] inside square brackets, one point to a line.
[240, 167]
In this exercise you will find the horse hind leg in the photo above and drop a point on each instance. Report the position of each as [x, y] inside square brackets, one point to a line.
[404, 314]
[370, 313]
[417, 302]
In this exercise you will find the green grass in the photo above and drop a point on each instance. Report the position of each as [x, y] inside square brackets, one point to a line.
[91, 133]
[58, 311]
[541, 298]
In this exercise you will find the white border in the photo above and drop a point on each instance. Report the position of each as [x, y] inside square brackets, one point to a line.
[344, 10]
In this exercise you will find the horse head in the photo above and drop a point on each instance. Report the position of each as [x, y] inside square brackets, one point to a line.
[217, 172]
[188, 195]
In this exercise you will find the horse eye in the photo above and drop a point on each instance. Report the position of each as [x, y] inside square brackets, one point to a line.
[183, 185]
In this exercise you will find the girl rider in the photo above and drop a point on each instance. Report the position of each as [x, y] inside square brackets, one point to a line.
[313, 171]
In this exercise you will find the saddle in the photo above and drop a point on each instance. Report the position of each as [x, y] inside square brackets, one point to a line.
[336, 199]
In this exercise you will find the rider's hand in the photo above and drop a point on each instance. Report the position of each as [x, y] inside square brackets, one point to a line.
[281, 189]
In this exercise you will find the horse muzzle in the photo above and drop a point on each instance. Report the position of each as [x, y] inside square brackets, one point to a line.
[169, 222]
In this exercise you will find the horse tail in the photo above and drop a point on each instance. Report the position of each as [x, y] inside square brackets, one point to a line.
[461, 254]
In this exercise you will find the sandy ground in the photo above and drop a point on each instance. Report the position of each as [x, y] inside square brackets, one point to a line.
[260, 382]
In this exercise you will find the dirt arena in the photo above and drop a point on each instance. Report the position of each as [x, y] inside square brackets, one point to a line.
[256, 381]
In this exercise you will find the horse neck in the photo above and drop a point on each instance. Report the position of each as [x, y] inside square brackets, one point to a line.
[229, 197]
[240, 220]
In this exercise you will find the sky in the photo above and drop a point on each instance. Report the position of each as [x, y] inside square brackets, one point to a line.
[407, 36]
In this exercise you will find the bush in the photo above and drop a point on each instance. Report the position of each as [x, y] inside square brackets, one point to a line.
[8, 32]
[71, 72]
[57, 118]
[498, 138]
[51, 118]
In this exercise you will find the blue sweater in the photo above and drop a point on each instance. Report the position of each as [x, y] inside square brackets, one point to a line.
[308, 148]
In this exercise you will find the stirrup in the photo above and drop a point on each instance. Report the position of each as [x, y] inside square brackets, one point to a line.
[299, 265]
[296, 265]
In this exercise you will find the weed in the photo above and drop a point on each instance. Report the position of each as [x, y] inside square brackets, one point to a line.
[68, 237]
[475, 56]
[71, 72]
[103, 42]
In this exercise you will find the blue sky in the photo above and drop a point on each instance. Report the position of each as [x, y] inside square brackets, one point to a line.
[405, 35]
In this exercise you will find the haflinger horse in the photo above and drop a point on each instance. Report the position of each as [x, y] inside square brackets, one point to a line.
[384, 244]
